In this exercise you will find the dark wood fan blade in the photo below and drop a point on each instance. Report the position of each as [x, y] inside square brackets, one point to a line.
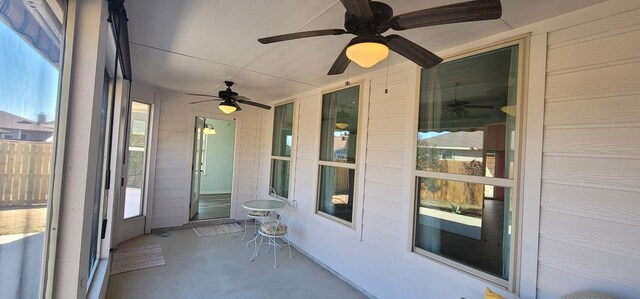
[203, 95]
[412, 51]
[479, 106]
[341, 63]
[207, 100]
[296, 35]
[358, 8]
[237, 106]
[477, 10]
[247, 101]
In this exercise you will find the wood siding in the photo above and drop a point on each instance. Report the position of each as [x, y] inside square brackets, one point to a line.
[590, 202]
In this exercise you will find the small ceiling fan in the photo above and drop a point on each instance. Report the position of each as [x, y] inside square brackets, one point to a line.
[459, 108]
[369, 19]
[230, 99]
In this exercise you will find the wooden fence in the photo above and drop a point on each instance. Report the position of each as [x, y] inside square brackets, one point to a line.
[24, 172]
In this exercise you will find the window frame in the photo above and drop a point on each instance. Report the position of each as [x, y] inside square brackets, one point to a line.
[290, 159]
[516, 184]
[355, 166]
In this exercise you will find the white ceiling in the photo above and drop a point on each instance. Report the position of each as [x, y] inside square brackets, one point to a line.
[194, 45]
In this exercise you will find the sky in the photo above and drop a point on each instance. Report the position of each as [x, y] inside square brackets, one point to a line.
[28, 82]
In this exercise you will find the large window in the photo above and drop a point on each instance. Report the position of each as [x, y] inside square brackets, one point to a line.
[466, 161]
[338, 149]
[281, 150]
[31, 50]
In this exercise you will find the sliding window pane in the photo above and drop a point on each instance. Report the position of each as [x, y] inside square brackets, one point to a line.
[282, 130]
[30, 72]
[467, 114]
[339, 126]
[137, 153]
[455, 220]
[280, 177]
[336, 191]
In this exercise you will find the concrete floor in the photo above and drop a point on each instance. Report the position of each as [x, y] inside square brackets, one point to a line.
[219, 267]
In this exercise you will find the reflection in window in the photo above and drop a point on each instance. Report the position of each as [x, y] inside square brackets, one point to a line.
[339, 125]
[338, 145]
[455, 221]
[466, 131]
[30, 71]
[281, 150]
[336, 192]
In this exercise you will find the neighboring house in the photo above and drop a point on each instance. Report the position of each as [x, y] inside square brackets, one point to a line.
[14, 127]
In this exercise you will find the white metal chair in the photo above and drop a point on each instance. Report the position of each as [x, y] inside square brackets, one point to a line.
[277, 230]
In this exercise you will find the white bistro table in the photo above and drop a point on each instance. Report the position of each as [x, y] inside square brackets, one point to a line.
[263, 205]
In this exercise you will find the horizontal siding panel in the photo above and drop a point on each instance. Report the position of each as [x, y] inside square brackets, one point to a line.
[382, 206]
[391, 159]
[612, 110]
[383, 224]
[388, 125]
[609, 141]
[389, 244]
[554, 283]
[386, 109]
[591, 233]
[171, 173]
[177, 191]
[394, 92]
[618, 80]
[601, 172]
[386, 141]
[595, 28]
[172, 126]
[604, 204]
[393, 78]
[159, 212]
[593, 52]
[307, 140]
[166, 222]
[381, 190]
[589, 263]
[391, 176]
[173, 202]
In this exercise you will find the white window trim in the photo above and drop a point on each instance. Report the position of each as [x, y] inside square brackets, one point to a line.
[358, 166]
[291, 158]
[513, 282]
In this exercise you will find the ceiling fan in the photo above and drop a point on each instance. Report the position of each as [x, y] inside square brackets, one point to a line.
[459, 108]
[230, 99]
[369, 19]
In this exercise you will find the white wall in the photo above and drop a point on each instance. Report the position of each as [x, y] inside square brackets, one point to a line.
[173, 162]
[218, 170]
[590, 213]
[590, 204]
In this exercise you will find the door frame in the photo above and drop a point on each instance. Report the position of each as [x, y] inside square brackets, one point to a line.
[189, 159]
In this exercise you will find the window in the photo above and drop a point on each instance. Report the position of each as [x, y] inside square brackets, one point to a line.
[338, 148]
[31, 50]
[281, 150]
[465, 162]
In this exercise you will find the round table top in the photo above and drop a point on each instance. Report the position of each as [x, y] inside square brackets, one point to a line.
[264, 205]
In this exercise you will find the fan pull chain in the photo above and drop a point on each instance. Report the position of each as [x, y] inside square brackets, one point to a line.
[386, 80]
[347, 83]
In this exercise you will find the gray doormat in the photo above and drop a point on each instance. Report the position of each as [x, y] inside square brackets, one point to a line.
[137, 258]
[220, 229]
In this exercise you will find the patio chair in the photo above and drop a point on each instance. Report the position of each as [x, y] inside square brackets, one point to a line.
[277, 230]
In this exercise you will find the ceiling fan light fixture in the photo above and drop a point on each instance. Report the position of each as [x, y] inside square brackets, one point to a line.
[509, 109]
[367, 52]
[227, 108]
[341, 126]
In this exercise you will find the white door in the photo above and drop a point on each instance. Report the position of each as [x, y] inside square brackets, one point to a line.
[197, 167]
[133, 191]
